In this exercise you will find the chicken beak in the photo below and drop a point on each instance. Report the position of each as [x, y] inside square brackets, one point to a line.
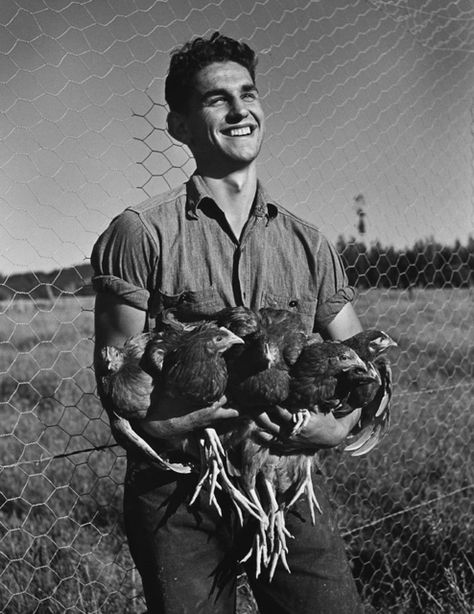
[366, 372]
[383, 343]
[229, 338]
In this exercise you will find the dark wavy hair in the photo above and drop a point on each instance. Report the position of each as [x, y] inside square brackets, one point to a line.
[197, 54]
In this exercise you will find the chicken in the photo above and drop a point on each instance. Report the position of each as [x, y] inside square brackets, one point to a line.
[259, 371]
[123, 379]
[193, 375]
[259, 378]
[268, 370]
[276, 365]
[323, 377]
[194, 370]
[326, 377]
[375, 397]
[126, 388]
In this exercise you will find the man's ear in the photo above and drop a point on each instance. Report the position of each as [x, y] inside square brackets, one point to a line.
[178, 127]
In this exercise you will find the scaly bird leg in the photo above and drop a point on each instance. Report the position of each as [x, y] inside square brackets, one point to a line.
[204, 471]
[281, 547]
[307, 486]
[270, 541]
[260, 548]
[213, 471]
[260, 544]
[256, 501]
[312, 499]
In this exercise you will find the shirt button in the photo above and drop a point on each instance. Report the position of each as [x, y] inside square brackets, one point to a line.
[293, 303]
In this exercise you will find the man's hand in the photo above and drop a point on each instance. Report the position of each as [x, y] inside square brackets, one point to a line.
[166, 421]
[320, 430]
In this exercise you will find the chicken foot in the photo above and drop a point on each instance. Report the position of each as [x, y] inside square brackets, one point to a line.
[270, 541]
[300, 419]
[214, 473]
[307, 486]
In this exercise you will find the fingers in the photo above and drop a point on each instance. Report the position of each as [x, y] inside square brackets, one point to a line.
[322, 431]
[276, 421]
[220, 403]
[218, 410]
[264, 422]
[281, 415]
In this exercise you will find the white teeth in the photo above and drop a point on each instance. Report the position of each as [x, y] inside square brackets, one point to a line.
[240, 131]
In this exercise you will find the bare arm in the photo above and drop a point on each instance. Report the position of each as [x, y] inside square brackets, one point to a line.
[344, 325]
[115, 321]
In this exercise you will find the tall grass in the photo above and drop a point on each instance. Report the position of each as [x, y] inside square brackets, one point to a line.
[62, 542]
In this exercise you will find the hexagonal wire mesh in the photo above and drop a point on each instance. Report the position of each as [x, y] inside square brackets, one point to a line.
[369, 136]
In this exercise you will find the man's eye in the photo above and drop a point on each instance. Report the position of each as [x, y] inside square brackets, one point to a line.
[250, 96]
[216, 101]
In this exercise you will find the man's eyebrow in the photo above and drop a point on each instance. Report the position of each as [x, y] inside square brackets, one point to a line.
[215, 92]
[247, 87]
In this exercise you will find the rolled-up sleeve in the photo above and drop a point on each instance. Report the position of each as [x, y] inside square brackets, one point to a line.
[124, 260]
[333, 286]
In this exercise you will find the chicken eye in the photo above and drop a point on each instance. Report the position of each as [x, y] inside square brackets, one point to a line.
[219, 338]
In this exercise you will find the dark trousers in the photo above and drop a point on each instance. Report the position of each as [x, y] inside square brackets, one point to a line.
[187, 556]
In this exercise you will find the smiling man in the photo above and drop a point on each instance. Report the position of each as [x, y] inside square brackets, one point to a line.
[221, 240]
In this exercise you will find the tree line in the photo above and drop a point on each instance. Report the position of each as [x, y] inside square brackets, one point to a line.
[428, 264]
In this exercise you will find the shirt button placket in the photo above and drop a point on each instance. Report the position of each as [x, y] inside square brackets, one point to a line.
[241, 273]
[245, 260]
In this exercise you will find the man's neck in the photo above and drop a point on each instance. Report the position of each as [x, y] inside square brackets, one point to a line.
[234, 194]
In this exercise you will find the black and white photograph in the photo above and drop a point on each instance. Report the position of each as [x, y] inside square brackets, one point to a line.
[236, 307]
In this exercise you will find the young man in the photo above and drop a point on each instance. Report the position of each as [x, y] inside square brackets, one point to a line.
[217, 241]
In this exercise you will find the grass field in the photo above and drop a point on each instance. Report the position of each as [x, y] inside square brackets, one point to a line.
[406, 510]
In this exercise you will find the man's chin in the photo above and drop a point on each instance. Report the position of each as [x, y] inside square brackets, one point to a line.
[245, 156]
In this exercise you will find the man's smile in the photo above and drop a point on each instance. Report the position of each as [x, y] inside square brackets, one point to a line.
[239, 131]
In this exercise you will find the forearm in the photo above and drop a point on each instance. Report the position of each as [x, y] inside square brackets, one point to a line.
[168, 420]
[325, 431]
[320, 431]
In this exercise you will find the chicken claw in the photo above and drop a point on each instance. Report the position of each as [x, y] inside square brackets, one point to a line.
[214, 472]
[270, 541]
[307, 486]
[300, 420]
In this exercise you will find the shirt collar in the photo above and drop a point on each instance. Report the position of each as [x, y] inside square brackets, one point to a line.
[196, 193]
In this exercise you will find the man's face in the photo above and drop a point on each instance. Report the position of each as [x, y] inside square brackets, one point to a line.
[225, 122]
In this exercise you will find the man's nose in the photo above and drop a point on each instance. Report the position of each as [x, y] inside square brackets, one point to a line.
[237, 110]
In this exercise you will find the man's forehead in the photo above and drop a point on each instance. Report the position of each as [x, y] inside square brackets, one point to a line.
[222, 75]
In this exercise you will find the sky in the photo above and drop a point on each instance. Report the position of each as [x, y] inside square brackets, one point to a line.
[363, 97]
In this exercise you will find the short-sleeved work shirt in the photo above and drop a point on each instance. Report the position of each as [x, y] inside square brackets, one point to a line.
[177, 250]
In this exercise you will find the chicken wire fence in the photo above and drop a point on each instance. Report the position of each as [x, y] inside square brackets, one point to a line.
[369, 136]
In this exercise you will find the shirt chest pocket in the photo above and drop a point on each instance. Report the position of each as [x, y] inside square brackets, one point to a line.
[305, 306]
[190, 305]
